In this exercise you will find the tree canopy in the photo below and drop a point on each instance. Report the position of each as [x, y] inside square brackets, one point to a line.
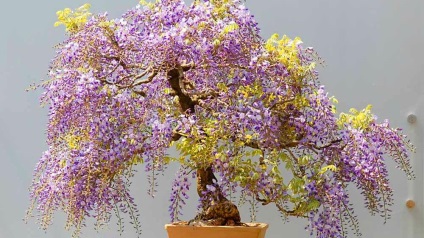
[201, 78]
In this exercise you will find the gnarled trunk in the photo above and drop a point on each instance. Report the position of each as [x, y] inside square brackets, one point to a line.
[216, 208]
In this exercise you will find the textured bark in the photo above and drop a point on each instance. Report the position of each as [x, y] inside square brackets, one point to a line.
[216, 208]
[175, 79]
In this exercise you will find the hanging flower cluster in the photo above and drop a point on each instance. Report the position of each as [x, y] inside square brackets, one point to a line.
[201, 78]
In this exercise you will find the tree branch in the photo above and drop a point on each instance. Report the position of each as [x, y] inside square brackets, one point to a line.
[327, 145]
[204, 95]
[293, 212]
[148, 80]
[286, 212]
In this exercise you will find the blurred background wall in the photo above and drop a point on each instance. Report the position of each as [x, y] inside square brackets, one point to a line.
[373, 52]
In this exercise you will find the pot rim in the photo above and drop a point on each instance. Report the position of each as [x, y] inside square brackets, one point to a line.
[249, 225]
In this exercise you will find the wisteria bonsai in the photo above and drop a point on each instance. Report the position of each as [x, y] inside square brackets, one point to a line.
[249, 118]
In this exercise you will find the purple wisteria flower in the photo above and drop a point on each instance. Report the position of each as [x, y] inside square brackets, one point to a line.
[200, 78]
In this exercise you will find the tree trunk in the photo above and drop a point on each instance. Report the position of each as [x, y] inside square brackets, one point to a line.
[216, 208]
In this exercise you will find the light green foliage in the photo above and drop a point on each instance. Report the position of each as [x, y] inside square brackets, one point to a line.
[221, 8]
[73, 20]
[296, 185]
[357, 119]
[230, 28]
[335, 102]
[327, 168]
[286, 51]
[146, 3]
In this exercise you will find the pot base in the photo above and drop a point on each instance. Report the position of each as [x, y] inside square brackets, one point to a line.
[251, 230]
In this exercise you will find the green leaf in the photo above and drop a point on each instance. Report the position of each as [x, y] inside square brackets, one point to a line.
[296, 185]
[324, 169]
[313, 205]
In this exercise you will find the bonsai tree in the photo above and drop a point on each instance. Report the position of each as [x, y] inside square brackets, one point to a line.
[249, 118]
